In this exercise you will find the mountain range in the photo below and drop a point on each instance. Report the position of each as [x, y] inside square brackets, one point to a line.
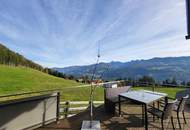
[158, 68]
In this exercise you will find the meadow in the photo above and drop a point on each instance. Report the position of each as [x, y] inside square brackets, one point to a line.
[21, 79]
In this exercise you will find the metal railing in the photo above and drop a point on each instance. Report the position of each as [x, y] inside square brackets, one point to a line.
[71, 108]
[28, 93]
[45, 104]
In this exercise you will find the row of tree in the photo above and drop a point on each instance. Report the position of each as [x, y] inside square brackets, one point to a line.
[58, 74]
[9, 57]
[141, 81]
[148, 80]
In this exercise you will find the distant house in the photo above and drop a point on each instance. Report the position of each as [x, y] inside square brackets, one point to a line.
[97, 81]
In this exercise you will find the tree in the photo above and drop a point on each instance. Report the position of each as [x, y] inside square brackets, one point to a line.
[174, 82]
[183, 83]
[188, 83]
[11, 58]
[147, 79]
[71, 77]
[167, 81]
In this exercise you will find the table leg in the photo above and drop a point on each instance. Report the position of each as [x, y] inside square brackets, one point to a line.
[143, 114]
[119, 105]
[158, 103]
[146, 117]
[153, 115]
[166, 99]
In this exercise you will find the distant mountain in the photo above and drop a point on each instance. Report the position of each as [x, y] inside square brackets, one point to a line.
[158, 68]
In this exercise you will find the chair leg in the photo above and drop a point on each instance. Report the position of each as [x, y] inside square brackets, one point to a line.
[162, 122]
[153, 115]
[172, 122]
[178, 120]
[184, 117]
[153, 118]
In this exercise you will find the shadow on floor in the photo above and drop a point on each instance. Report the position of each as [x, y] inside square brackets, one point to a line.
[131, 120]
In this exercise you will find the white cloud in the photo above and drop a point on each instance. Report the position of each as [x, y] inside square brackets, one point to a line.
[63, 33]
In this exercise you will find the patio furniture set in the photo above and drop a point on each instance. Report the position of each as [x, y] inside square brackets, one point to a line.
[157, 104]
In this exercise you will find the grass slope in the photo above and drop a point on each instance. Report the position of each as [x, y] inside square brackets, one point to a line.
[169, 90]
[21, 79]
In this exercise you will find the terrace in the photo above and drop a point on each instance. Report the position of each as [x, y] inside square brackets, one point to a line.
[131, 120]
[44, 111]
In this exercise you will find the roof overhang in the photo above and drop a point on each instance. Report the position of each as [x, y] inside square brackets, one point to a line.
[188, 18]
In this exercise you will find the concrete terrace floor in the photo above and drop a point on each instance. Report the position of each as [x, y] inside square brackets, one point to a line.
[131, 120]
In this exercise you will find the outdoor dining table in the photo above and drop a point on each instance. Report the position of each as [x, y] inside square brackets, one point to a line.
[144, 98]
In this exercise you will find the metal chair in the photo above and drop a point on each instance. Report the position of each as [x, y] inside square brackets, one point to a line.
[164, 114]
[111, 97]
[179, 107]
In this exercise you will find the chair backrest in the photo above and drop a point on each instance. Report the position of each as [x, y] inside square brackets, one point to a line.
[110, 85]
[167, 112]
[182, 103]
[114, 92]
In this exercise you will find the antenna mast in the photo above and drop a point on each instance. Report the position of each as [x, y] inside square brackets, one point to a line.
[93, 87]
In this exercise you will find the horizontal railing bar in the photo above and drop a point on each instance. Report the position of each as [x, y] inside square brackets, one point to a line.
[94, 84]
[81, 102]
[78, 108]
[27, 93]
[69, 115]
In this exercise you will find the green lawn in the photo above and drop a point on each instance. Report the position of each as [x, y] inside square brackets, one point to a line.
[81, 94]
[170, 91]
[20, 79]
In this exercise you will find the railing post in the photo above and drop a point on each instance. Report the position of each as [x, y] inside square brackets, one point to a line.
[153, 87]
[58, 106]
[66, 110]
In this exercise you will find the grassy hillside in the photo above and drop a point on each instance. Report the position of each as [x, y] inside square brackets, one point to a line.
[20, 79]
[9, 57]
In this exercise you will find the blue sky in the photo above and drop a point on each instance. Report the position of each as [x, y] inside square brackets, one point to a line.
[59, 33]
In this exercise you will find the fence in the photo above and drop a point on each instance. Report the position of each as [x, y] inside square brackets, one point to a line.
[62, 109]
[29, 112]
[71, 108]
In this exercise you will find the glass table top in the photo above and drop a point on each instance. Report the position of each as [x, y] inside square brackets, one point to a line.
[143, 96]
